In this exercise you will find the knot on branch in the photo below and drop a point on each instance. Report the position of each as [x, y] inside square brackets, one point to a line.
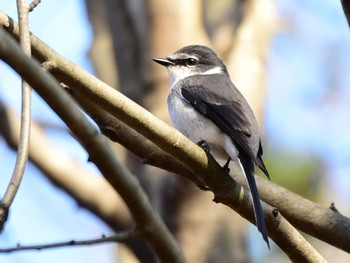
[275, 212]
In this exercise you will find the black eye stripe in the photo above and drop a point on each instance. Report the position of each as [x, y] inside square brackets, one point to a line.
[182, 61]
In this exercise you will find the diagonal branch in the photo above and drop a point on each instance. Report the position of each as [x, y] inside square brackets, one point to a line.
[192, 157]
[147, 219]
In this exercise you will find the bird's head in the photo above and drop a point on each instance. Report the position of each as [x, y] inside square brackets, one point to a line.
[192, 60]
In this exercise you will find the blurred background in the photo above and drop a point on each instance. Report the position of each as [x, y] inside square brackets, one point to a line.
[289, 58]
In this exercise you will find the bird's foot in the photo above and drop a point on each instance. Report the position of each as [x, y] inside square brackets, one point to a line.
[226, 166]
[204, 145]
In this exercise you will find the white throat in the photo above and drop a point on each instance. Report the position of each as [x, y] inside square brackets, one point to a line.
[179, 73]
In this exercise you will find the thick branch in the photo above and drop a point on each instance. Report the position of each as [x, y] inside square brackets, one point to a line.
[47, 87]
[314, 217]
[191, 156]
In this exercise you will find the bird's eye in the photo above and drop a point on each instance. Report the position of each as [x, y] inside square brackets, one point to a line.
[191, 62]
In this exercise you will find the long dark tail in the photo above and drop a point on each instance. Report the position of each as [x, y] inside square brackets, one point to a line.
[248, 167]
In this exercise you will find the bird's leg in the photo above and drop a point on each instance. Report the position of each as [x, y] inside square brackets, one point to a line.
[204, 145]
[226, 168]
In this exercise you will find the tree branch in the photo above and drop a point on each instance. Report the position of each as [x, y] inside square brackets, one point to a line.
[321, 222]
[148, 220]
[190, 155]
[119, 237]
[23, 145]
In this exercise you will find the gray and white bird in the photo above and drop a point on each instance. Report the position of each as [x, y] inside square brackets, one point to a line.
[206, 107]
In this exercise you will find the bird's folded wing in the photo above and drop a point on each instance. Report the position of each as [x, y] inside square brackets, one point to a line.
[222, 108]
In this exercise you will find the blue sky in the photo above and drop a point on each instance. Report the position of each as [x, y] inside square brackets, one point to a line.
[307, 110]
[308, 102]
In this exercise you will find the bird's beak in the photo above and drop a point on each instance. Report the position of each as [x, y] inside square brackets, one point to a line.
[164, 61]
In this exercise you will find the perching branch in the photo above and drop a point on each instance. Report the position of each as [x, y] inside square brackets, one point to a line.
[23, 146]
[119, 237]
[191, 156]
[311, 218]
[148, 220]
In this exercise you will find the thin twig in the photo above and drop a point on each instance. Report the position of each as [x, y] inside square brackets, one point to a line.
[23, 146]
[34, 4]
[119, 237]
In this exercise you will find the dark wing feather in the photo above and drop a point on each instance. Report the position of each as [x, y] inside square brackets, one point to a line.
[223, 109]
